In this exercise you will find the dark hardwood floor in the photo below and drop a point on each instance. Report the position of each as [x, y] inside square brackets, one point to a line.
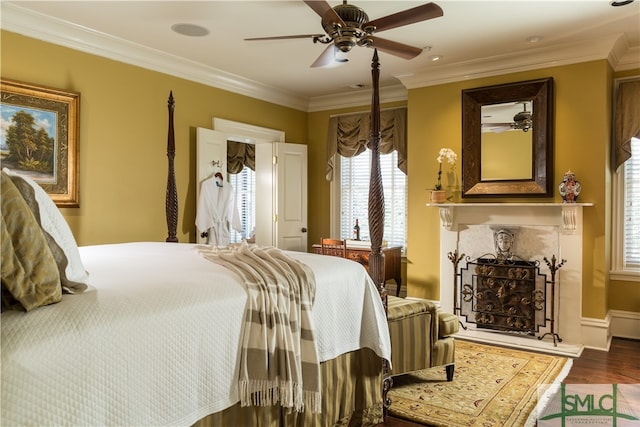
[620, 365]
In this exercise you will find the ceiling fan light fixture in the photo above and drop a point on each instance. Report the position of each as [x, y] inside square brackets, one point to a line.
[345, 43]
[523, 125]
[340, 56]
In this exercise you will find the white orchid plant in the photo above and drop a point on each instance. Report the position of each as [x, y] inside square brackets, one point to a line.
[451, 157]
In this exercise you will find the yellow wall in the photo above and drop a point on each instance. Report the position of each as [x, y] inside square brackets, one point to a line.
[123, 136]
[123, 162]
[582, 129]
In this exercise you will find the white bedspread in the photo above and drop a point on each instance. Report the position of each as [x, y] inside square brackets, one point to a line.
[155, 342]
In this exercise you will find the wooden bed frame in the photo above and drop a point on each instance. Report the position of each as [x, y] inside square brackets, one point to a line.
[376, 211]
[376, 200]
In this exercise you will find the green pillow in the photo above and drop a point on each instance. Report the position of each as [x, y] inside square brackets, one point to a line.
[27, 190]
[29, 271]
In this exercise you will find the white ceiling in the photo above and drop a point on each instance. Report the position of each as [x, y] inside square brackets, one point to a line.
[474, 38]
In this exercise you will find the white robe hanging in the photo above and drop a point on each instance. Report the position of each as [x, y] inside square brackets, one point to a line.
[217, 212]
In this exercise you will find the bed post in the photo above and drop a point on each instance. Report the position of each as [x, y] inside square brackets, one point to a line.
[171, 204]
[376, 213]
[376, 193]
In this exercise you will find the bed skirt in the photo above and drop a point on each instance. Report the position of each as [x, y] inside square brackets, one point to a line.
[351, 396]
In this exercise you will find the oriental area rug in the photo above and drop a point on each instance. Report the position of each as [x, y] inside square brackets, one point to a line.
[492, 386]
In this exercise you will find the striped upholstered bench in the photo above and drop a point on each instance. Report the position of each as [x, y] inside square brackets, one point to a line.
[420, 336]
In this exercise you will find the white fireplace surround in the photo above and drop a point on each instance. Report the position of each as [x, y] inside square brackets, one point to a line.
[543, 230]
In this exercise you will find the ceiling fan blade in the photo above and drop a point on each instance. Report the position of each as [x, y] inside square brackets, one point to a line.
[321, 7]
[501, 129]
[406, 17]
[325, 58]
[394, 48]
[496, 127]
[299, 36]
[491, 125]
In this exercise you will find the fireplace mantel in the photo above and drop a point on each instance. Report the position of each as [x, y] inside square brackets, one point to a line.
[544, 230]
[566, 211]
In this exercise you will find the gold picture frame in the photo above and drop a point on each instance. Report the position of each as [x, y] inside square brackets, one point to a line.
[40, 137]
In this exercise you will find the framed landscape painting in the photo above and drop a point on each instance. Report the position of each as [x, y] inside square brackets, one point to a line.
[39, 137]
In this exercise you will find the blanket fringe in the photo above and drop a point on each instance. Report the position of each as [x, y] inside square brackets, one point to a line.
[287, 394]
[313, 401]
[278, 358]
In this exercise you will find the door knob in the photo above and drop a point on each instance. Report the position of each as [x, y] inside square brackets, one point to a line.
[304, 229]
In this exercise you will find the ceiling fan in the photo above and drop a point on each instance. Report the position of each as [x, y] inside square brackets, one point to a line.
[521, 121]
[347, 26]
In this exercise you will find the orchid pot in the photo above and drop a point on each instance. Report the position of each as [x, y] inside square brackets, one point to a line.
[438, 196]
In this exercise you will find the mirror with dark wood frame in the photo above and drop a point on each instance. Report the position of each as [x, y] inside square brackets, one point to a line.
[507, 140]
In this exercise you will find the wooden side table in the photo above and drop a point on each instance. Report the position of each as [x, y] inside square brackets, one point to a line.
[392, 261]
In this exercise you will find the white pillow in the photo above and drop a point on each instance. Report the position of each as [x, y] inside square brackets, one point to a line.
[52, 221]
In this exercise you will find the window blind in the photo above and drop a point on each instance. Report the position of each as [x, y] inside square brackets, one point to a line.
[632, 207]
[354, 197]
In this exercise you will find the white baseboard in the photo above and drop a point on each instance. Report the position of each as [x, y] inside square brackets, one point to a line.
[625, 324]
[596, 333]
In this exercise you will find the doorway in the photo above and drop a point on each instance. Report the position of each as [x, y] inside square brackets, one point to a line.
[280, 179]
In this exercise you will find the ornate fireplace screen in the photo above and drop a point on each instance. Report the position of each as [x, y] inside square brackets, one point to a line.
[503, 292]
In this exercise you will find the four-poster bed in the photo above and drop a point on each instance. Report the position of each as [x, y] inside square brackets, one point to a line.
[155, 338]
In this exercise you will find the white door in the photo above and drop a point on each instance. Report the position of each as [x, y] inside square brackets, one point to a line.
[265, 206]
[291, 196]
[211, 155]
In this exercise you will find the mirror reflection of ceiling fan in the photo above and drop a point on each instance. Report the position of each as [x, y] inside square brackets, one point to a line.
[498, 118]
[347, 26]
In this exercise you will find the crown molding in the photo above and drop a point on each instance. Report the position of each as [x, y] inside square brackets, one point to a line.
[622, 57]
[612, 48]
[629, 61]
[356, 99]
[28, 23]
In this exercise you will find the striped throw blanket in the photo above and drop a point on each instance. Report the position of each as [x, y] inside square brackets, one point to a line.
[278, 357]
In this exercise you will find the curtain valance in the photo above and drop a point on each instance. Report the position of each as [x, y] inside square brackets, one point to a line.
[240, 155]
[348, 136]
[627, 120]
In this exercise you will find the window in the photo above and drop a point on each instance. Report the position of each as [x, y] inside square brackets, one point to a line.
[626, 247]
[244, 187]
[353, 195]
